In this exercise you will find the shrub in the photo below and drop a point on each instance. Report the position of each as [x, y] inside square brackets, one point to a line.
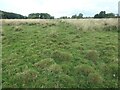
[61, 56]
[92, 55]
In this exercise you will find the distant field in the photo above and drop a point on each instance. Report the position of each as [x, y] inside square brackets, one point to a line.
[60, 53]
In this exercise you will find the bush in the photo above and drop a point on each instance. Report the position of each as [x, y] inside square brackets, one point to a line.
[61, 56]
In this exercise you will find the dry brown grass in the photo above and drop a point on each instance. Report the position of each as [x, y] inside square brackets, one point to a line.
[80, 23]
[92, 24]
[27, 21]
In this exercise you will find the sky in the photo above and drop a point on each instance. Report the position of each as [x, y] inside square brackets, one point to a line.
[58, 8]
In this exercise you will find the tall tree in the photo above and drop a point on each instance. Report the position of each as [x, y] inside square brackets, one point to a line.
[102, 14]
[74, 16]
[80, 15]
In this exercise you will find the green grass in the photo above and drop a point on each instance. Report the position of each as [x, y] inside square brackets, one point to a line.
[58, 54]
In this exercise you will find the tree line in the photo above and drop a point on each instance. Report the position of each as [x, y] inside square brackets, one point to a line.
[103, 14]
[40, 16]
[80, 15]
[9, 15]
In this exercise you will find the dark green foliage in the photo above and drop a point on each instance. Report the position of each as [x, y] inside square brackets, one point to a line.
[77, 17]
[63, 17]
[103, 14]
[40, 16]
[74, 16]
[96, 16]
[80, 16]
[9, 15]
[110, 15]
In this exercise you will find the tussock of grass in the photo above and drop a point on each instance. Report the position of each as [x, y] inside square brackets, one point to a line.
[54, 68]
[67, 68]
[18, 28]
[110, 70]
[84, 69]
[113, 70]
[66, 81]
[26, 77]
[92, 55]
[30, 24]
[53, 34]
[61, 56]
[45, 63]
[95, 79]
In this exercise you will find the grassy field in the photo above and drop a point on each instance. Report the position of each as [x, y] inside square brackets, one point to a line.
[60, 53]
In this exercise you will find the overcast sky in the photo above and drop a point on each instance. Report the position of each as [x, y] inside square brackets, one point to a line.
[59, 8]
